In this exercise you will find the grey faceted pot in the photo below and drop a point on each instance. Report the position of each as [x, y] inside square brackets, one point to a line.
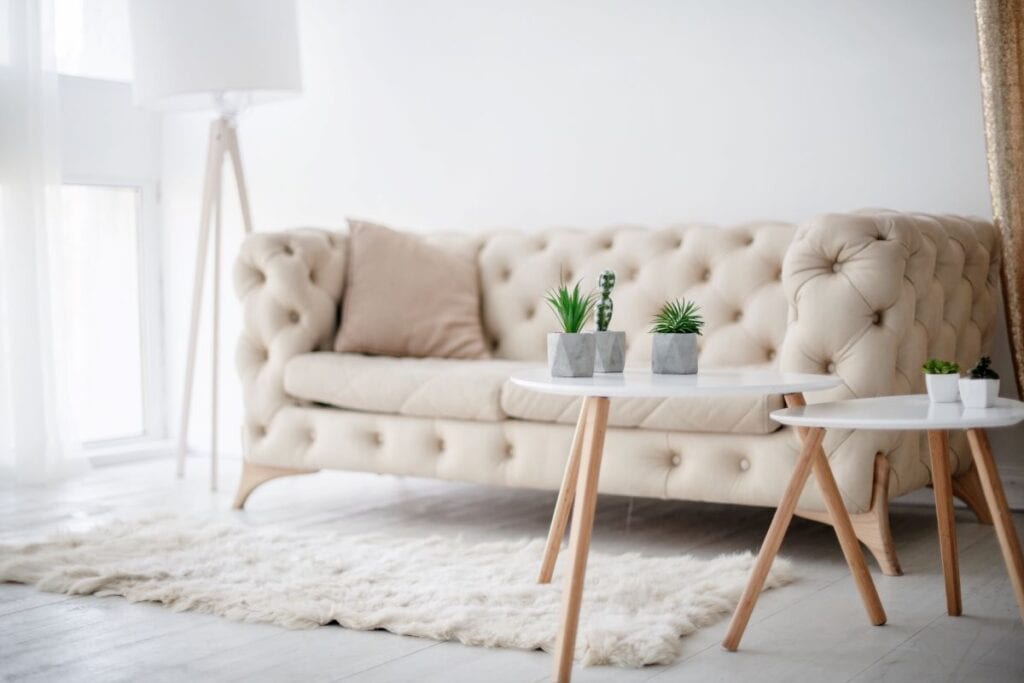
[571, 355]
[611, 351]
[674, 354]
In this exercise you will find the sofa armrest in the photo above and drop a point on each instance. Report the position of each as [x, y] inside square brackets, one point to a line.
[290, 285]
[871, 296]
[853, 283]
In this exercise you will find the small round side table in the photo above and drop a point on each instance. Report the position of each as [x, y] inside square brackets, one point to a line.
[579, 483]
[903, 413]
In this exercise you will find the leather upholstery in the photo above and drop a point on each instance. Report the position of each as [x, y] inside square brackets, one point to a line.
[869, 295]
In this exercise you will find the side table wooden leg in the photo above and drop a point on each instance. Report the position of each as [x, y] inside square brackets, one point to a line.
[847, 537]
[942, 485]
[773, 540]
[565, 497]
[1007, 535]
[579, 539]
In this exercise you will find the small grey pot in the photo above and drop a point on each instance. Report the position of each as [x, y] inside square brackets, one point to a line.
[571, 355]
[674, 354]
[611, 351]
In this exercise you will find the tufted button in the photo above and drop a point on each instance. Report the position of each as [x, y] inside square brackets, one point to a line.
[676, 460]
[263, 355]
[530, 312]
[294, 316]
[567, 275]
[494, 343]
[744, 464]
[542, 244]
[509, 450]
[312, 276]
[679, 243]
[737, 316]
[836, 267]
[260, 430]
[748, 241]
[877, 318]
[770, 354]
[506, 274]
[830, 368]
[778, 274]
[259, 275]
[439, 444]
[608, 243]
[288, 249]
[377, 438]
[311, 436]
[705, 275]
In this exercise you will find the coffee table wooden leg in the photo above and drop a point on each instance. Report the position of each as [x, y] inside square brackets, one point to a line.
[847, 537]
[942, 484]
[773, 539]
[579, 538]
[996, 497]
[565, 497]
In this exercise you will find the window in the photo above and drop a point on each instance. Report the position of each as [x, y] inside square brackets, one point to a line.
[100, 270]
[109, 249]
[92, 39]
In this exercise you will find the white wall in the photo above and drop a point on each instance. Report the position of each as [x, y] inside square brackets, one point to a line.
[529, 113]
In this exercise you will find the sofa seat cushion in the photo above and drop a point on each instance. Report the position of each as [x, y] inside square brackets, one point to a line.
[422, 387]
[732, 414]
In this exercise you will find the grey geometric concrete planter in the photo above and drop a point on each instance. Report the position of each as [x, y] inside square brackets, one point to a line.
[571, 355]
[611, 351]
[674, 354]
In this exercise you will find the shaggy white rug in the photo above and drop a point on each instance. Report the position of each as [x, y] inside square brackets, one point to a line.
[635, 608]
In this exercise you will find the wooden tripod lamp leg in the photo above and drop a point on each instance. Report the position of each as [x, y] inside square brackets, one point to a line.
[565, 496]
[211, 195]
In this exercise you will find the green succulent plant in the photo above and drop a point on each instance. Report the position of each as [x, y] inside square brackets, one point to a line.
[605, 282]
[572, 307]
[982, 369]
[934, 366]
[678, 317]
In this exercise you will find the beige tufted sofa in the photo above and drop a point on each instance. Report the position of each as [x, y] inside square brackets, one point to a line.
[868, 295]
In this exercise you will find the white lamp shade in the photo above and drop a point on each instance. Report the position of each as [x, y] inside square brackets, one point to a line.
[197, 54]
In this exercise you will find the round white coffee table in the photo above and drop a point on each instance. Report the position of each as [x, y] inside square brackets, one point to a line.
[903, 413]
[579, 483]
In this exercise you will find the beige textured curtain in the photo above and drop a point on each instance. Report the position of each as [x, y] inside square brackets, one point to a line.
[1001, 47]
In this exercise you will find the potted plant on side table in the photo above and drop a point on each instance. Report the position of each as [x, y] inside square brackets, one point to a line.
[981, 387]
[940, 377]
[611, 346]
[674, 338]
[571, 351]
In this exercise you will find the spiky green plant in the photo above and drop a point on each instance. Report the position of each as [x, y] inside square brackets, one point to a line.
[934, 366]
[605, 282]
[982, 369]
[678, 317]
[572, 307]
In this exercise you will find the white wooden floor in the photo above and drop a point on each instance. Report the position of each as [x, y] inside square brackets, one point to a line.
[813, 630]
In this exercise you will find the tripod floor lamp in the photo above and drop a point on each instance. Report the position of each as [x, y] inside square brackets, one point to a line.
[219, 56]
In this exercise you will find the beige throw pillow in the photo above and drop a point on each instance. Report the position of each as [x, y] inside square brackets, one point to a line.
[407, 297]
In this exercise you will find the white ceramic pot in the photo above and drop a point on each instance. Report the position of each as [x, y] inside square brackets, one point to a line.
[978, 393]
[673, 354]
[611, 351]
[942, 388]
[571, 355]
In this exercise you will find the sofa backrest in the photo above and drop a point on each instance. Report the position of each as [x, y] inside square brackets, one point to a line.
[734, 274]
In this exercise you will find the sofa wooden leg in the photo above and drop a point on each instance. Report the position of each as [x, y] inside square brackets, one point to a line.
[253, 475]
[872, 527]
[967, 487]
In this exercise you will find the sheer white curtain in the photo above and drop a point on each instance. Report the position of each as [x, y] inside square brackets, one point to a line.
[37, 439]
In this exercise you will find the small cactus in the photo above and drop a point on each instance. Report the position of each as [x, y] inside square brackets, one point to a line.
[605, 282]
[983, 370]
